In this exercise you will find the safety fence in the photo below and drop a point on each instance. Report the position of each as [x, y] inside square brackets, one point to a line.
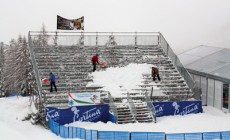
[65, 131]
[93, 38]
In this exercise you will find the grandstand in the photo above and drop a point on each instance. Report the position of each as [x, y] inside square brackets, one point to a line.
[68, 56]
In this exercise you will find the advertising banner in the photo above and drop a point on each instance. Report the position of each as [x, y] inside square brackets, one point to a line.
[92, 113]
[177, 108]
[85, 98]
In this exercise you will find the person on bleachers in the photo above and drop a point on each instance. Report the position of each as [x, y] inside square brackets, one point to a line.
[52, 82]
[95, 61]
[155, 72]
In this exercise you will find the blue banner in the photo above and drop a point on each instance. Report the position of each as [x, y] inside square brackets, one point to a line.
[91, 113]
[177, 108]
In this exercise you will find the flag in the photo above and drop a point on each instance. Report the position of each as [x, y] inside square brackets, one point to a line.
[70, 24]
[64, 24]
[78, 23]
[45, 80]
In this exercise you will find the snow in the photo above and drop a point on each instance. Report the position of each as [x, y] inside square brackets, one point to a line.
[116, 80]
[14, 109]
[202, 122]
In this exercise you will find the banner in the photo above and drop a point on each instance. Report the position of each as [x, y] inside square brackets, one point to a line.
[177, 108]
[85, 98]
[70, 24]
[92, 113]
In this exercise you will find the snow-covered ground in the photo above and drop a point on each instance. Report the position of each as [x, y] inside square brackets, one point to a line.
[14, 109]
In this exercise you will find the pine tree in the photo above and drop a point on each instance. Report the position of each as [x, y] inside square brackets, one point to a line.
[16, 71]
[27, 69]
[42, 38]
[16, 67]
[8, 73]
[1, 66]
[21, 68]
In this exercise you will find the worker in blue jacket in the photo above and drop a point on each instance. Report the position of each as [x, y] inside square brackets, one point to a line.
[52, 82]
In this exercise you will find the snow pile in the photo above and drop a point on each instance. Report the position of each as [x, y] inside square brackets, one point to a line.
[116, 80]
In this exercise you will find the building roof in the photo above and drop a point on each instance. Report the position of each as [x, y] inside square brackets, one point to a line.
[206, 59]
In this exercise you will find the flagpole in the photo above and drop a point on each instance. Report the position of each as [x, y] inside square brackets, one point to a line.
[82, 37]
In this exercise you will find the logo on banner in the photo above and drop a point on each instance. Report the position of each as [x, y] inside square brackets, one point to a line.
[177, 108]
[88, 115]
[159, 110]
[52, 113]
[192, 108]
[86, 98]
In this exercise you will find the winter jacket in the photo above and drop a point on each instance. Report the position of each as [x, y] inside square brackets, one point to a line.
[95, 59]
[52, 77]
[155, 71]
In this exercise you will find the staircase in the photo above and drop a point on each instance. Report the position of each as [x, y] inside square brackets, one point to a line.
[72, 66]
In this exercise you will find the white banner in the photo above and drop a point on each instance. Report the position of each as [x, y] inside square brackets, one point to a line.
[86, 98]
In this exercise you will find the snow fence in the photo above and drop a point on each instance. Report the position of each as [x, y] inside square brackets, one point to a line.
[85, 134]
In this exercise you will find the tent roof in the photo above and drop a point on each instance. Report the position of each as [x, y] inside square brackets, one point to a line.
[206, 59]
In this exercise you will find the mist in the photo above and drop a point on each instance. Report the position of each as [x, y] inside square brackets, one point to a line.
[184, 23]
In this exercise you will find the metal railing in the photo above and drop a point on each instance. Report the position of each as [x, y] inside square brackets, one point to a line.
[96, 38]
[112, 106]
[132, 107]
[35, 68]
[183, 71]
[150, 106]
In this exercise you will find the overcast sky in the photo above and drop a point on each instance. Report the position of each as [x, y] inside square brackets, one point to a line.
[184, 23]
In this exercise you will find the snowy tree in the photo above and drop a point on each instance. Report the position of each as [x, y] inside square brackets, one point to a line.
[29, 77]
[42, 38]
[22, 67]
[1, 66]
[8, 72]
[16, 68]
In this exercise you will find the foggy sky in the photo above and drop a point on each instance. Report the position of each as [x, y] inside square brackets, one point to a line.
[184, 23]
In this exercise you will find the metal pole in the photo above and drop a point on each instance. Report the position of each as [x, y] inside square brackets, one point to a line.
[151, 93]
[55, 40]
[96, 39]
[135, 38]
[82, 38]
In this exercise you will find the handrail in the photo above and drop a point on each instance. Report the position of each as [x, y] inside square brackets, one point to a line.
[132, 107]
[183, 71]
[37, 77]
[112, 105]
[150, 107]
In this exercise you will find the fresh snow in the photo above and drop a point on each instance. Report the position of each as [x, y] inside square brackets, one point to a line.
[119, 80]
[14, 109]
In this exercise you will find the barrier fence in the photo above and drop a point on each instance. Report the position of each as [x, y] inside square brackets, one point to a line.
[95, 113]
[85, 134]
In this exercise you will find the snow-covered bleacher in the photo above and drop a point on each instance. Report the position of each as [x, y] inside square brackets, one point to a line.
[72, 65]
